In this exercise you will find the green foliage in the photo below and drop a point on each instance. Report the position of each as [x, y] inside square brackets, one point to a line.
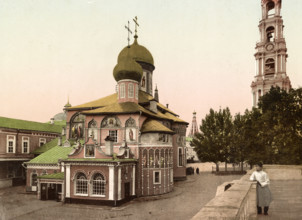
[213, 143]
[271, 133]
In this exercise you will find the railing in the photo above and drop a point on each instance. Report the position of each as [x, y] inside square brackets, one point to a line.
[237, 202]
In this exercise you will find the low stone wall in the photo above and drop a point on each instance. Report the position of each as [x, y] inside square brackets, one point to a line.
[4, 183]
[238, 202]
[284, 172]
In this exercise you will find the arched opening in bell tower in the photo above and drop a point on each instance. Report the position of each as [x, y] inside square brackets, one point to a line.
[270, 9]
[270, 34]
[269, 66]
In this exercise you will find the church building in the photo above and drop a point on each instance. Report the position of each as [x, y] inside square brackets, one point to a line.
[271, 52]
[117, 147]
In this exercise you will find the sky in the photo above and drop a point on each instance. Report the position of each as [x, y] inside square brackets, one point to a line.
[203, 52]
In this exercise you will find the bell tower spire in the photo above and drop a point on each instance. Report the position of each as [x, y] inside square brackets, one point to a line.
[194, 128]
[271, 52]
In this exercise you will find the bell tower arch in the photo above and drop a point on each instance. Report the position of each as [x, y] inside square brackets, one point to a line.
[271, 52]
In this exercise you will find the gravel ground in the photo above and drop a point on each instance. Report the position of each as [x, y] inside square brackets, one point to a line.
[184, 202]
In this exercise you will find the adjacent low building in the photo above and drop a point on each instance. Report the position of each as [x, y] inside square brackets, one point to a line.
[18, 140]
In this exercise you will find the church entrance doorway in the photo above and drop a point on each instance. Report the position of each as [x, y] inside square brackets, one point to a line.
[127, 190]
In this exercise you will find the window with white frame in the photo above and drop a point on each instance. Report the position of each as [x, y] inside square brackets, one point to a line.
[25, 145]
[81, 184]
[42, 141]
[122, 90]
[136, 92]
[130, 90]
[98, 185]
[113, 135]
[11, 144]
[156, 177]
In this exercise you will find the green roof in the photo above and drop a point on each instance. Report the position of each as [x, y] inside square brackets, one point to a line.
[53, 176]
[52, 156]
[154, 126]
[99, 160]
[48, 146]
[29, 125]
[62, 123]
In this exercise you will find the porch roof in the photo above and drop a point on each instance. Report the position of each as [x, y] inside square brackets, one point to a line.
[52, 176]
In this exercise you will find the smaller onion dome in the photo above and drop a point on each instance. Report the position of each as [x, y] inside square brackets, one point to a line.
[127, 68]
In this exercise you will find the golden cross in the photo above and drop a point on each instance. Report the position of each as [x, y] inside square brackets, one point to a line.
[129, 32]
[136, 24]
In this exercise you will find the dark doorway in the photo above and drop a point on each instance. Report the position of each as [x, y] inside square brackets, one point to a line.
[52, 195]
[43, 191]
[127, 190]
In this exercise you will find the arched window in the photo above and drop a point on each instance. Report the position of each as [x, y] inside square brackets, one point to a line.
[151, 158]
[170, 158]
[77, 126]
[81, 184]
[167, 157]
[34, 179]
[145, 158]
[130, 90]
[92, 130]
[98, 185]
[162, 158]
[270, 34]
[180, 157]
[270, 7]
[157, 159]
[122, 90]
[269, 66]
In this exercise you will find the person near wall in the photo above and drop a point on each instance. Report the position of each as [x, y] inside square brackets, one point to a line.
[264, 196]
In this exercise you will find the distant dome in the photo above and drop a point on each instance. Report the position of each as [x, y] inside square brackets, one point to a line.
[127, 68]
[137, 52]
[60, 117]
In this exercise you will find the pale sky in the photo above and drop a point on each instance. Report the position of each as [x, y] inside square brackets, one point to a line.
[203, 52]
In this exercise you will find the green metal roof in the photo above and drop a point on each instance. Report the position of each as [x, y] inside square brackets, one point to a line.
[99, 160]
[48, 146]
[53, 176]
[29, 125]
[52, 156]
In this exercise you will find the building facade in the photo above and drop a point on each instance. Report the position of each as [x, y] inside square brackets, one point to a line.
[118, 147]
[271, 52]
[18, 140]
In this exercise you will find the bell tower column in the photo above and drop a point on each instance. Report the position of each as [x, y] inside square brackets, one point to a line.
[271, 52]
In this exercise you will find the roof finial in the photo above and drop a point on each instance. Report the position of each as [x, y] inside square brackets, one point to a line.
[129, 32]
[136, 25]
[156, 96]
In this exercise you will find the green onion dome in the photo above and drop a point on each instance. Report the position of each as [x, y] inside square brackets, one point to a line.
[137, 52]
[127, 68]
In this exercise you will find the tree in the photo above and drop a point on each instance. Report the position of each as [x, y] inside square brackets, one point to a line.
[212, 144]
[281, 123]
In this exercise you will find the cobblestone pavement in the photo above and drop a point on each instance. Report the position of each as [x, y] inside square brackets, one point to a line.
[287, 200]
[184, 202]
